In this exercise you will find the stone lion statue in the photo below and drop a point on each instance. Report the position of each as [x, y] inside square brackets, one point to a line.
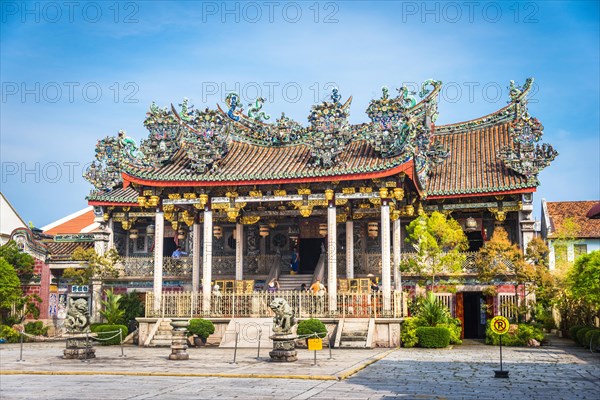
[78, 318]
[284, 316]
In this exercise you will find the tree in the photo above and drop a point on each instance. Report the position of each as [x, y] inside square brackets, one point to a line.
[104, 266]
[583, 280]
[10, 286]
[438, 242]
[501, 259]
[22, 262]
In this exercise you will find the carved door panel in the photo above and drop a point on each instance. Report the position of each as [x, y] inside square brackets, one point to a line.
[460, 313]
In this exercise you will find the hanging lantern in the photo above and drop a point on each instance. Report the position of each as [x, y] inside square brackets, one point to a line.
[398, 193]
[150, 230]
[323, 230]
[373, 229]
[153, 201]
[133, 234]
[181, 234]
[217, 232]
[305, 210]
[471, 225]
[126, 225]
[263, 230]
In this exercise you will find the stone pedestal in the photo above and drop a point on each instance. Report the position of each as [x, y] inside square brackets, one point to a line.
[79, 348]
[284, 348]
[179, 341]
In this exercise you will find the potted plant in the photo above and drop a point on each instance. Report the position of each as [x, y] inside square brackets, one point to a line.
[201, 329]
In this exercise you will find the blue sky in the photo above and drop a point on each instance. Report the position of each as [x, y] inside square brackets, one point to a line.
[73, 74]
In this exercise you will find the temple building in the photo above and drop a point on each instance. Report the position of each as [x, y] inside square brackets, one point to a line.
[240, 195]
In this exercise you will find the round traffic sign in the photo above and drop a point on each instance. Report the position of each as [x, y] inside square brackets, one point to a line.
[499, 325]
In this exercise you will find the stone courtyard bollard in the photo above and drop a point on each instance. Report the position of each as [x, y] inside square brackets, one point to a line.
[179, 340]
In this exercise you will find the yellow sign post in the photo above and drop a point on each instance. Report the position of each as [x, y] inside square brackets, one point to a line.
[315, 344]
[500, 326]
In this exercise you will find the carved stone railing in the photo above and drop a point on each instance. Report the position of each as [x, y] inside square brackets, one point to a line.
[256, 305]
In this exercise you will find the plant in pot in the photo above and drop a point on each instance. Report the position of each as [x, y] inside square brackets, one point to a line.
[201, 329]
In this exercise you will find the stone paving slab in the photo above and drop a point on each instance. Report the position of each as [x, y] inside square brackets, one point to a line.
[557, 371]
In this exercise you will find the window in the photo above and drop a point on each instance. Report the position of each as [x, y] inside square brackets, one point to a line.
[560, 254]
[580, 249]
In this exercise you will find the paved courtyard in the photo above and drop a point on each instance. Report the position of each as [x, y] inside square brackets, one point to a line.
[557, 371]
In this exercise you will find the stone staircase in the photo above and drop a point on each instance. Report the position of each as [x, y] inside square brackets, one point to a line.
[293, 282]
[163, 336]
[355, 333]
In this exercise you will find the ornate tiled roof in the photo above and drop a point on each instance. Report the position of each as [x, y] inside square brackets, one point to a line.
[577, 211]
[493, 154]
[60, 251]
[473, 166]
[124, 196]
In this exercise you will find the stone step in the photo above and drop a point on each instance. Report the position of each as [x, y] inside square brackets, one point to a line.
[353, 339]
[160, 343]
[162, 337]
[353, 345]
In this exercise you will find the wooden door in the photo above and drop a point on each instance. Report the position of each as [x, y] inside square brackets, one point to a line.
[460, 313]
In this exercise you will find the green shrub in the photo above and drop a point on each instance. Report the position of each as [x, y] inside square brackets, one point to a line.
[433, 337]
[590, 337]
[409, 332]
[36, 328]
[518, 337]
[9, 334]
[311, 326]
[201, 327]
[573, 331]
[580, 335]
[455, 328]
[133, 307]
[107, 335]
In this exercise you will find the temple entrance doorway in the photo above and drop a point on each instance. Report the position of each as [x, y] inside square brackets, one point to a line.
[474, 315]
[310, 251]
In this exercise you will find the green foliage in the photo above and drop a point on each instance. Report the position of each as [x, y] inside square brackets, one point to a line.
[433, 337]
[584, 279]
[22, 262]
[81, 254]
[10, 285]
[580, 335]
[9, 334]
[311, 326]
[518, 337]
[592, 336]
[36, 328]
[409, 332]
[132, 306]
[432, 311]
[455, 328]
[438, 242]
[77, 276]
[107, 334]
[112, 311]
[201, 327]
[573, 331]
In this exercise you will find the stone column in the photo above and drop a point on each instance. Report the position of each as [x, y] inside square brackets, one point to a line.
[332, 257]
[350, 249]
[159, 229]
[207, 260]
[397, 246]
[239, 251]
[96, 300]
[385, 255]
[197, 249]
